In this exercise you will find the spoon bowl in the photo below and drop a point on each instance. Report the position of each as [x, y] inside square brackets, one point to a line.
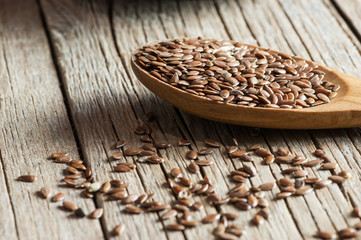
[343, 111]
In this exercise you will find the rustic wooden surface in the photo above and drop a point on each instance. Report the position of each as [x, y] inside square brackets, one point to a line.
[66, 85]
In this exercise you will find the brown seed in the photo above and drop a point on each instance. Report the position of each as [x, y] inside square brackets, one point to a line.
[230, 216]
[336, 179]
[300, 174]
[232, 149]
[59, 154]
[185, 181]
[239, 178]
[63, 159]
[192, 155]
[117, 155]
[158, 208]
[133, 210]
[263, 203]
[78, 166]
[237, 154]
[311, 180]
[116, 182]
[97, 213]
[358, 226]
[322, 184]
[284, 182]
[325, 235]
[117, 195]
[58, 197]
[290, 170]
[131, 198]
[69, 206]
[189, 224]
[267, 186]
[347, 233]
[204, 162]
[132, 151]
[299, 183]
[147, 153]
[170, 214]
[161, 145]
[72, 170]
[262, 152]
[183, 142]
[130, 165]
[345, 174]
[105, 187]
[303, 191]
[149, 147]
[313, 163]
[269, 159]
[122, 168]
[241, 173]
[329, 166]
[252, 200]
[27, 178]
[139, 129]
[291, 189]
[264, 213]
[258, 220]
[282, 151]
[146, 138]
[211, 218]
[175, 172]
[283, 195]
[175, 227]
[284, 159]
[119, 229]
[120, 144]
[319, 153]
[155, 159]
[193, 167]
[212, 143]
[249, 169]
[243, 206]
[197, 206]
[356, 212]
[254, 147]
[45, 192]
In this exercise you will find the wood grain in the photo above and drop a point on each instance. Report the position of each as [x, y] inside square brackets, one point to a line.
[36, 124]
[92, 42]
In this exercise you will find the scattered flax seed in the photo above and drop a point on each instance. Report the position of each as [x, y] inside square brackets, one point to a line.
[269, 159]
[116, 182]
[204, 162]
[45, 192]
[193, 167]
[96, 214]
[58, 197]
[189, 224]
[132, 151]
[192, 155]
[299, 183]
[133, 210]
[232, 149]
[283, 195]
[197, 206]
[319, 153]
[63, 159]
[211, 218]
[325, 235]
[183, 142]
[284, 159]
[120, 144]
[254, 147]
[282, 151]
[59, 154]
[322, 184]
[212, 143]
[69, 206]
[105, 187]
[336, 179]
[130, 199]
[175, 173]
[122, 168]
[358, 226]
[347, 233]
[158, 208]
[170, 214]
[119, 229]
[175, 227]
[146, 138]
[329, 166]
[258, 220]
[139, 129]
[356, 212]
[303, 191]
[149, 147]
[288, 189]
[205, 151]
[162, 145]
[155, 159]
[262, 152]
[313, 163]
[299, 174]
[130, 165]
[117, 155]
[345, 174]
[72, 170]
[312, 180]
[267, 186]
[27, 178]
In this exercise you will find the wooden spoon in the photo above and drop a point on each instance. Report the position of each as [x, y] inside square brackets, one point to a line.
[343, 111]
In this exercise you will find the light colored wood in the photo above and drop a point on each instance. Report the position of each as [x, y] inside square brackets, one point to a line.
[34, 124]
[93, 42]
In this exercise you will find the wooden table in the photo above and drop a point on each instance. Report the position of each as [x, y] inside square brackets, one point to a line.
[67, 85]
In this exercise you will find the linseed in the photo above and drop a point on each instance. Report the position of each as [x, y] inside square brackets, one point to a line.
[27, 178]
[119, 229]
[97, 213]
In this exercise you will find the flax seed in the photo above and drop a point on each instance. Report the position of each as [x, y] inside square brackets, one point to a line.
[322, 184]
[336, 179]
[267, 186]
[58, 197]
[132, 151]
[175, 227]
[59, 154]
[175, 173]
[133, 210]
[192, 155]
[204, 162]
[212, 143]
[117, 156]
[161, 145]
[325, 235]
[27, 178]
[69, 206]
[345, 174]
[155, 159]
[119, 229]
[183, 142]
[45, 192]
[122, 168]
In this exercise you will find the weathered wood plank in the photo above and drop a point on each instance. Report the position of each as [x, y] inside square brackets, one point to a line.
[34, 124]
[351, 11]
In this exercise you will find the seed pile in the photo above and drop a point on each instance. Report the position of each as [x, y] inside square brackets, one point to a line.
[295, 182]
[234, 73]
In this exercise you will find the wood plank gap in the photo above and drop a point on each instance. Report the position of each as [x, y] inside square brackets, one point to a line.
[67, 106]
[8, 190]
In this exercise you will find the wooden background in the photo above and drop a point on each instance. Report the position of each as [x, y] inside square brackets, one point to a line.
[66, 85]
